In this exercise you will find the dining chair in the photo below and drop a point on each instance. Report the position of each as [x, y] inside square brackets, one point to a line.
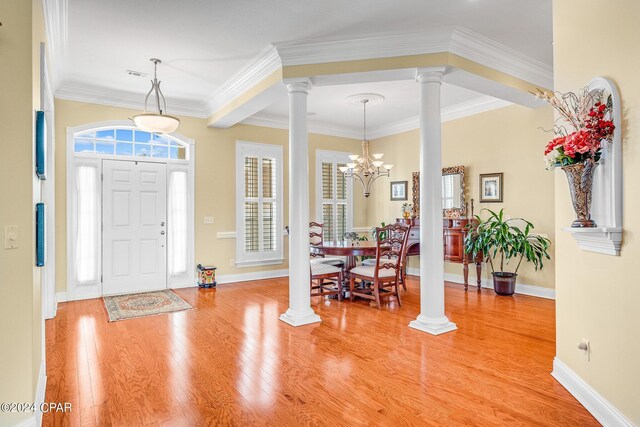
[316, 238]
[382, 278]
[326, 279]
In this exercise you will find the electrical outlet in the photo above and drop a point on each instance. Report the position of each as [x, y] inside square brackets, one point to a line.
[232, 263]
[11, 237]
[208, 220]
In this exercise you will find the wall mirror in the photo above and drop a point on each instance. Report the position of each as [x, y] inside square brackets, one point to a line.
[453, 201]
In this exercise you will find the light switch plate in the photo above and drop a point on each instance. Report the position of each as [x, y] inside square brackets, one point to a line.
[10, 236]
[208, 220]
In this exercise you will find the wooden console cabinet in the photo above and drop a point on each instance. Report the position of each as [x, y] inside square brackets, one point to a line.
[454, 232]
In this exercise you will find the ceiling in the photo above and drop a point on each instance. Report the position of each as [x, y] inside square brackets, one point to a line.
[203, 43]
[329, 111]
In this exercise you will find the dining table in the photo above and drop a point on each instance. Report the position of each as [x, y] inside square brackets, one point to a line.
[348, 249]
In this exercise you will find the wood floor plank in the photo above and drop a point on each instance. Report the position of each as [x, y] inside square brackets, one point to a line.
[232, 362]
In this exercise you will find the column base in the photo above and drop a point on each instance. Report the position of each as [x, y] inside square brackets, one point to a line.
[433, 326]
[295, 318]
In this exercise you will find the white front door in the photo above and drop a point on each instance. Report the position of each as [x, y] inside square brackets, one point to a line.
[134, 216]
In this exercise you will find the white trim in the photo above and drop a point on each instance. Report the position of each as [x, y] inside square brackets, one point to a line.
[603, 240]
[366, 230]
[271, 261]
[453, 112]
[61, 297]
[226, 235]
[41, 387]
[55, 19]
[253, 72]
[333, 157]
[594, 402]
[247, 277]
[29, 422]
[259, 150]
[83, 92]
[521, 288]
[454, 39]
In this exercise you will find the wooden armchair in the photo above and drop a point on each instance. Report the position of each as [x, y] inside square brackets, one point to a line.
[382, 278]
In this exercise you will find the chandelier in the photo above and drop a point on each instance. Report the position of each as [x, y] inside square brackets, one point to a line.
[366, 168]
[156, 122]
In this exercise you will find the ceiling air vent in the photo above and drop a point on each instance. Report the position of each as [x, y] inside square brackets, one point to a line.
[136, 73]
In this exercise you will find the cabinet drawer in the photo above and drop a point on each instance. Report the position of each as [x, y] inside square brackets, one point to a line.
[459, 223]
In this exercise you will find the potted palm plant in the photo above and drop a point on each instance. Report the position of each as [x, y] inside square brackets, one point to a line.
[502, 240]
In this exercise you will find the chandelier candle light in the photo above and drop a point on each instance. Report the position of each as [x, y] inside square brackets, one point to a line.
[366, 168]
[156, 122]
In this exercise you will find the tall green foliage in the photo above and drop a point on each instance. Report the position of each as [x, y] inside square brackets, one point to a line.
[503, 240]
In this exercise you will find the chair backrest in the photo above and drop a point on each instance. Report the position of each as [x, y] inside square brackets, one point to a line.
[391, 242]
[315, 236]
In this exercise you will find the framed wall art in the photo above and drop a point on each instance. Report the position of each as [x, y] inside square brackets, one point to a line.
[398, 190]
[491, 188]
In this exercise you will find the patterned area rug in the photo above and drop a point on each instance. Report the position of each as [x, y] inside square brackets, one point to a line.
[122, 307]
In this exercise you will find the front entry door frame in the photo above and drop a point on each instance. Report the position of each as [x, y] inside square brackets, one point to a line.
[76, 290]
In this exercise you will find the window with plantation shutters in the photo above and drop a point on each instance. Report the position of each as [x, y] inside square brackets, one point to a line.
[259, 204]
[333, 195]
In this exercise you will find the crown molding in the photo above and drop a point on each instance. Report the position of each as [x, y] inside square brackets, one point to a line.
[81, 92]
[55, 17]
[485, 51]
[282, 122]
[253, 72]
[364, 46]
[458, 111]
[454, 112]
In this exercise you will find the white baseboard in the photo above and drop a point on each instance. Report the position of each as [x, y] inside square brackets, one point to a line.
[522, 289]
[246, 277]
[61, 297]
[29, 422]
[40, 391]
[35, 420]
[600, 408]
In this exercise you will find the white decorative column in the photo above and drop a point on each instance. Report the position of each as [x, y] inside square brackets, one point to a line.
[300, 311]
[431, 318]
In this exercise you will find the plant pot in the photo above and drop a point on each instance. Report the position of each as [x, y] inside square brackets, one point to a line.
[580, 177]
[504, 283]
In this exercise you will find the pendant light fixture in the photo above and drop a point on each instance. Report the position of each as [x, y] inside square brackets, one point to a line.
[160, 121]
[366, 168]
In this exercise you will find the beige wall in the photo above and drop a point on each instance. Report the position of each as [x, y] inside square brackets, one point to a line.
[20, 294]
[598, 295]
[506, 140]
[214, 178]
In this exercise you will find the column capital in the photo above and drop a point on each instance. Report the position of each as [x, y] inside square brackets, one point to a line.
[430, 74]
[298, 85]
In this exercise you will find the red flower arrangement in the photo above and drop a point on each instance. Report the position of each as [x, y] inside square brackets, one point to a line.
[590, 118]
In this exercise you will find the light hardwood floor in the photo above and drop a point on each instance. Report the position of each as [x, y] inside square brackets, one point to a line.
[232, 362]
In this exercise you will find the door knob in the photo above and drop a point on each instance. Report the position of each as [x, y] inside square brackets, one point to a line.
[162, 232]
[162, 224]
